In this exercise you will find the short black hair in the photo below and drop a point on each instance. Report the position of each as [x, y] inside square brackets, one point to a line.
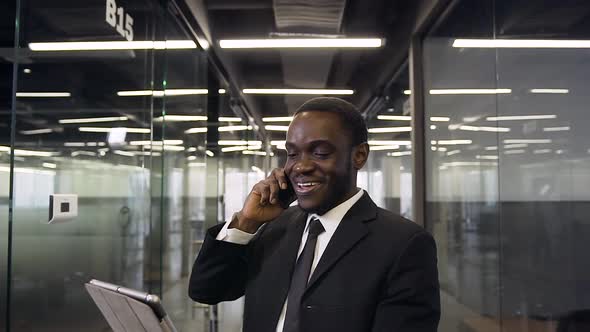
[350, 116]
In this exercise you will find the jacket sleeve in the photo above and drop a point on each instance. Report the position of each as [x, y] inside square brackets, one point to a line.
[220, 271]
[411, 302]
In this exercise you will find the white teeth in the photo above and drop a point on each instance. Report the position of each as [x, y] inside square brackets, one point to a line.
[307, 184]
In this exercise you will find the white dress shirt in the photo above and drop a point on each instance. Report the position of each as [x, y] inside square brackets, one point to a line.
[330, 220]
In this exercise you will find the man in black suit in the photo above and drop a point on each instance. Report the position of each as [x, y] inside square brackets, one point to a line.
[334, 262]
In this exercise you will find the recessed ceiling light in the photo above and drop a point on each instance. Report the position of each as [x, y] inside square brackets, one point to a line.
[394, 117]
[390, 130]
[112, 45]
[521, 117]
[520, 43]
[91, 120]
[43, 94]
[180, 118]
[36, 131]
[558, 91]
[278, 119]
[468, 91]
[108, 130]
[302, 43]
[298, 91]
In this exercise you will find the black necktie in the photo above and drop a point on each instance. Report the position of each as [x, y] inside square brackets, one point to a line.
[301, 276]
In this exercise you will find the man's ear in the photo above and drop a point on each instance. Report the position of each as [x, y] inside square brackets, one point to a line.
[360, 154]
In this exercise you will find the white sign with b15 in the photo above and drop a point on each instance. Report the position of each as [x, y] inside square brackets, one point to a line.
[118, 19]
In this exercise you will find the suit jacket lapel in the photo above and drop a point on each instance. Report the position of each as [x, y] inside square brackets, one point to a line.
[283, 263]
[351, 230]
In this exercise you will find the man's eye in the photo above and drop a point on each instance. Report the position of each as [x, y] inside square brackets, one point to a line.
[322, 154]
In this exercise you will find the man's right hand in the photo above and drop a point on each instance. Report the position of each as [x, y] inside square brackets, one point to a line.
[262, 204]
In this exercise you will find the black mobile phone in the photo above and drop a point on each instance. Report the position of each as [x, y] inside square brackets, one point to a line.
[287, 196]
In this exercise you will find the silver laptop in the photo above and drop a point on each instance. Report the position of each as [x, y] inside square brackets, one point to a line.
[129, 310]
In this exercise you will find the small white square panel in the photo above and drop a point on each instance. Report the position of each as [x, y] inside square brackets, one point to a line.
[62, 208]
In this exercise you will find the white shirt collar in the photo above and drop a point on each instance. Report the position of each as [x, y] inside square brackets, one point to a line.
[331, 219]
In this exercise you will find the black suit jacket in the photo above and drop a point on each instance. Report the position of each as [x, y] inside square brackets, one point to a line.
[378, 273]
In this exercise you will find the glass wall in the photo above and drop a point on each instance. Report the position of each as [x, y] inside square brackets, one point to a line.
[507, 165]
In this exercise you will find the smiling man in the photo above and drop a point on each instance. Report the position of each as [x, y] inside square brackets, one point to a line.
[333, 262]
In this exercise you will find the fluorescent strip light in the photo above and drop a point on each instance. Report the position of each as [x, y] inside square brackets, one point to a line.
[440, 119]
[407, 92]
[455, 142]
[43, 94]
[257, 153]
[229, 119]
[197, 164]
[378, 142]
[210, 153]
[278, 119]
[298, 92]
[112, 45]
[514, 152]
[516, 146]
[470, 163]
[488, 129]
[521, 43]
[50, 165]
[491, 148]
[551, 129]
[491, 157]
[302, 43]
[521, 117]
[558, 91]
[164, 147]
[30, 153]
[383, 147]
[108, 130]
[180, 118]
[527, 141]
[221, 91]
[390, 130]
[191, 158]
[541, 151]
[241, 148]
[196, 130]
[233, 142]
[276, 128]
[159, 143]
[399, 154]
[124, 153]
[74, 144]
[450, 153]
[83, 153]
[234, 128]
[191, 149]
[441, 149]
[92, 120]
[161, 93]
[394, 117]
[36, 131]
[468, 91]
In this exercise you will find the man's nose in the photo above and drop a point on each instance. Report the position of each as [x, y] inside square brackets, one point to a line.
[303, 165]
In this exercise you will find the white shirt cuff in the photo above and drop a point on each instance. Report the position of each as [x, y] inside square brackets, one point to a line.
[234, 235]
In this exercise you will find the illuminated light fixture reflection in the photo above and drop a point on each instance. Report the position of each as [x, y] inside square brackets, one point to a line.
[278, 119]
[515, 146]
[302, 43]
[165, 142]
[234, 128]
[407, 92]
[433, 142]
[469, 163]
[440, 119]
[197, 164]
[559, 151]
[520, 43]
[491, 148]
[469, 91]
[433, 148]
[379, 142]
[112, 45]
[191, 158]
[221, 91]
[92, 120]
[124, 153]
[399, 154]
[256, 153]
[196, 130]
[74, 144]
[432, 127]
[557, 91]
[489, 157]
[229, 119]
[394, 117]
[383, 147]
[542, 151]
[28, 153]
[210, 153]
[297, 92]
[180, 118]
[43, 94]
[83, 153]
[161, 93]
[455, 142]
[552, 129]
[36, 131]
[164, 147]
[450, 153]
[487, 129]
[514, 152]
[235, 142]
[191, 149]
[527, 141]
[276, 128]
[50, 165]
[108, 130]
[241, 148]
[256, 169]
[27, 71]
[441, 149]
[521, 117]
[390, 130]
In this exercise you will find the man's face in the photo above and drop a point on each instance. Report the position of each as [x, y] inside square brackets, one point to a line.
[319, 163]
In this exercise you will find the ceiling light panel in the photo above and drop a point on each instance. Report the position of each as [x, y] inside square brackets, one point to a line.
[520, 43]
[301, 43]
[299, 91]
[111, 45]
[93, 120]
